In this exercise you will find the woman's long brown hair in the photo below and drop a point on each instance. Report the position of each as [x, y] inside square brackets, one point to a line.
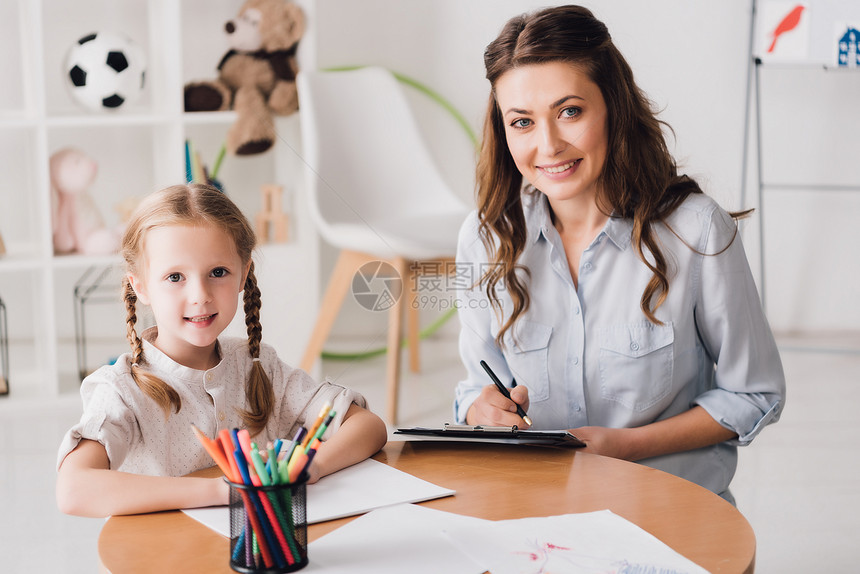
[197, 204]
[639, 181]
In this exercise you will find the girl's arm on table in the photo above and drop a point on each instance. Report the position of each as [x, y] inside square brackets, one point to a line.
[689, 430]
[360, 436]
[87, 487]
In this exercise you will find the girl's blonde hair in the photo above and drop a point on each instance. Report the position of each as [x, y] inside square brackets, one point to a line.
[196, 204]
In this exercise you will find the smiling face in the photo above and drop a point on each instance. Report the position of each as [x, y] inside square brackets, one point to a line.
[555, 127]
[191, 277]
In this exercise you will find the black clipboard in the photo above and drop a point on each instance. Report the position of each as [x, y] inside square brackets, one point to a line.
[511, 435]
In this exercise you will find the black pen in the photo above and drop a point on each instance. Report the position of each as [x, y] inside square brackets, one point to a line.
[505, 392]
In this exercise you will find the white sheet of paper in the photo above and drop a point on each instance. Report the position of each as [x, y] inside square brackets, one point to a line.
[572, 543]
[395, 539]
[354, 490]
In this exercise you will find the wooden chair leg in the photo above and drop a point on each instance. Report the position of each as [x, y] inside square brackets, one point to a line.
[413, 321]
[395, 328]
[338, 286]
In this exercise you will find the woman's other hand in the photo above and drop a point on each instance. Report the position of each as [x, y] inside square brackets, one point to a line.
[607, 441]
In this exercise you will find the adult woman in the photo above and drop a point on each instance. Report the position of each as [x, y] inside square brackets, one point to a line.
[612, 290]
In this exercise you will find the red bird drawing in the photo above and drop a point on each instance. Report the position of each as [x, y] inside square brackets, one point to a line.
[790, 22]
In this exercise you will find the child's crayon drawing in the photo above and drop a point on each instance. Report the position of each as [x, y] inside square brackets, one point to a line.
[593, 542]
[549, 558]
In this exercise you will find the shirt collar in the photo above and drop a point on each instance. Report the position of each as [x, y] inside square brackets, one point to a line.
[536, 206]
[619, 230]
[157, 361]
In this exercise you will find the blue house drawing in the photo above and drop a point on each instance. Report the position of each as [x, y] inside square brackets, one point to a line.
[849, 48]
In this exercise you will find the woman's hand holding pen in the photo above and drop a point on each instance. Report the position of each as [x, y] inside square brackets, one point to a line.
[494, 409]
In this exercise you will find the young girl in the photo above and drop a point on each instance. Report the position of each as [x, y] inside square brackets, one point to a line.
[188, 256]
[612, 290]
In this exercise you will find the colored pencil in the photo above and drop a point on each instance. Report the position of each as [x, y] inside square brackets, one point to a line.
[214, 450]
[323, 412]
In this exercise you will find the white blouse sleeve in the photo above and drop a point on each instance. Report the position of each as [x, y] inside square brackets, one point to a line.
[300, 399]
[106, 419]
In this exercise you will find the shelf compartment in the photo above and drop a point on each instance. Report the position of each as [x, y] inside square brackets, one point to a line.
[21, 226]
[96, 295]
[29, 366]
[12, 99]
[123, 177]
[64, 23]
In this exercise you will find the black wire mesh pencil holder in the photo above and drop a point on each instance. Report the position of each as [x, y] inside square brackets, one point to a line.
[272, 519]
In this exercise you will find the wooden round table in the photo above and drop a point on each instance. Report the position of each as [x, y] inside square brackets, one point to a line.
[547, 481]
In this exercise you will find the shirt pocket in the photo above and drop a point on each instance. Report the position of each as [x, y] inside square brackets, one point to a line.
[636, 362]
[527, 356]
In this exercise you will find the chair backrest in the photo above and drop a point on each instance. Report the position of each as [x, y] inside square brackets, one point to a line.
[364, 154]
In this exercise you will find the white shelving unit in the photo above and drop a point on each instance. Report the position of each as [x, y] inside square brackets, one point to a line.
[138, 149]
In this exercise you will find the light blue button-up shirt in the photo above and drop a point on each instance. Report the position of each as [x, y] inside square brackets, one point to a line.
[590, 357]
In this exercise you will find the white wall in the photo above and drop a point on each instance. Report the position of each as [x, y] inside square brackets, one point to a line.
[441, 43]
[691, 57]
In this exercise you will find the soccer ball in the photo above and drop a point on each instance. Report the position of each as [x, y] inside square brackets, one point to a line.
[105, 71]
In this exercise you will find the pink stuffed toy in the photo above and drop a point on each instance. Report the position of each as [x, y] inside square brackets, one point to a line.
[78, 226]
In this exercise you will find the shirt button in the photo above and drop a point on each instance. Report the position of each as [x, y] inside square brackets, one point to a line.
[587, 265]
[208, 376]
[577, 408]
[221, 416]
[576, 311]
[576, 360]
[634, 346]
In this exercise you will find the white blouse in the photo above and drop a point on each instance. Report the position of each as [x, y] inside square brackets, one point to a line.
[140, 439]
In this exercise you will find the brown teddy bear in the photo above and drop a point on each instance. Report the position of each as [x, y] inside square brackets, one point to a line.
[257, 77]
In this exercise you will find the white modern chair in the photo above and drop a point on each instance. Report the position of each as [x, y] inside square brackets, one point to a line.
[376, 195]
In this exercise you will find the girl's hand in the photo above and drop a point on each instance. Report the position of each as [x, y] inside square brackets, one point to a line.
[606, 441]
[314, 473]
[493, 409]
[360, 436]
[221, 492]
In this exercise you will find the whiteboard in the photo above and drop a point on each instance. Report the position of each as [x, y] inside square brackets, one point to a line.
[825, 32]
